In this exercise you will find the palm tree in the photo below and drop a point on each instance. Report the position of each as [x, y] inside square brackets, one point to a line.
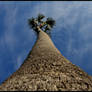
[45, 69]
[45, 26]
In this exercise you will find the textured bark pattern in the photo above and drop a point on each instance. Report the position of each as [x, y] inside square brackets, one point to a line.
[46, 69]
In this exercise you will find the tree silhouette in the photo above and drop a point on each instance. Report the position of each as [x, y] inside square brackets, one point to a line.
[45, 26]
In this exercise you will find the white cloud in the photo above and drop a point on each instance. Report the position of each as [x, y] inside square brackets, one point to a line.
[18, 62]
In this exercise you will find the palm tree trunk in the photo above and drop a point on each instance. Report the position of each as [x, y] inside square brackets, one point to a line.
[46, 69]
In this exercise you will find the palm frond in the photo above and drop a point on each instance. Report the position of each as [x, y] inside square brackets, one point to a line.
[31, 22]
[40, 17]
[50, 21]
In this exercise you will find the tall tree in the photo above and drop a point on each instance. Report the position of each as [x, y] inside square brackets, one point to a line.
[45, 68]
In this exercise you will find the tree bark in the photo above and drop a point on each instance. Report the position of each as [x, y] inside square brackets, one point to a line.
[47, 69]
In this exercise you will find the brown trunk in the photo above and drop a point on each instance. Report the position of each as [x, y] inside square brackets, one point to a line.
[46, 69]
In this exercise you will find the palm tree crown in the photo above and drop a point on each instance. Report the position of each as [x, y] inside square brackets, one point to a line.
[46, 26]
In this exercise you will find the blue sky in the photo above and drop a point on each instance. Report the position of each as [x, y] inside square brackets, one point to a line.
[72, 34]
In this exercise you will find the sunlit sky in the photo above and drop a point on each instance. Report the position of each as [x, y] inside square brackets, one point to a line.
[72, 34]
